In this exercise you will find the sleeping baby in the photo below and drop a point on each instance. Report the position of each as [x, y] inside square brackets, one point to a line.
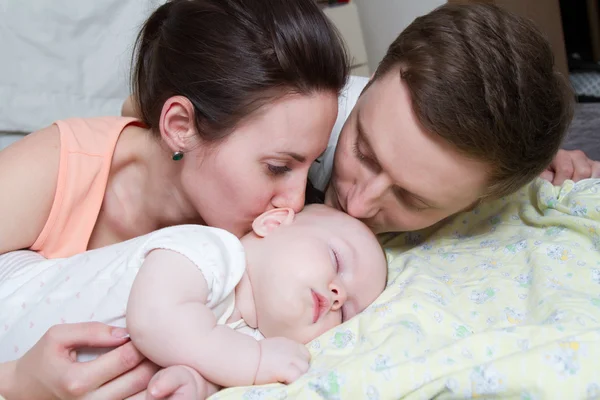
[213, 310]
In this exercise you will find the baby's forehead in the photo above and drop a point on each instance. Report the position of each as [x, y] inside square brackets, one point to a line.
[334, 224]
[322, 213]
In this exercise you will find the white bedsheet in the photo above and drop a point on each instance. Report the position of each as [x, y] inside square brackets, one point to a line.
[65, 58]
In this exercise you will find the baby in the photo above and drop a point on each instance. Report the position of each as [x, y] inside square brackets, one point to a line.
[195, 299]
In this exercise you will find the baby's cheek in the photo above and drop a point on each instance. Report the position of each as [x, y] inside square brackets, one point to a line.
[334, 321]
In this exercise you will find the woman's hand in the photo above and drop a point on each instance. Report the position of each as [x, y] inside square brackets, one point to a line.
[571, 164]
[49, 370]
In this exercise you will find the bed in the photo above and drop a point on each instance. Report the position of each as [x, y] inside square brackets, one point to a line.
[501, 302]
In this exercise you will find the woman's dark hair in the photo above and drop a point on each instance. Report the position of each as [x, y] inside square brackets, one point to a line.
[230, 57]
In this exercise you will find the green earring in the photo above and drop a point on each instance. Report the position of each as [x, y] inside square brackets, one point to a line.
[178, 155]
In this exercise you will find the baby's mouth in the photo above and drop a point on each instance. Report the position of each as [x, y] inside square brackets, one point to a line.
[320, 305]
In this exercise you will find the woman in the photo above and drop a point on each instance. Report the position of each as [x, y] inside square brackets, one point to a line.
[223, 88]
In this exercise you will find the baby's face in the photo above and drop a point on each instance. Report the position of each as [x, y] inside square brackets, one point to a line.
[314, 272]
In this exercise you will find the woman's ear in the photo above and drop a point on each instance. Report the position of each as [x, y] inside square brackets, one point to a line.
[272, 219]
[177, 128]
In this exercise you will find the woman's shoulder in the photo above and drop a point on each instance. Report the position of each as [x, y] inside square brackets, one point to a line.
[89, 134]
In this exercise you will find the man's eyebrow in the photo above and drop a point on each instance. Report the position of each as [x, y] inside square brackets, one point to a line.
[295, 156]
[360, 129]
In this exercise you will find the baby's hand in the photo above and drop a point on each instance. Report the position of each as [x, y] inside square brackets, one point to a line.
[281, 360]
[178, 382]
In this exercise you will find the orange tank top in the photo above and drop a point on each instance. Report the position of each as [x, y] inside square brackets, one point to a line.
[86, 151]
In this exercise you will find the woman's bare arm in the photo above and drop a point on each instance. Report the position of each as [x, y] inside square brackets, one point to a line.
[28, 177]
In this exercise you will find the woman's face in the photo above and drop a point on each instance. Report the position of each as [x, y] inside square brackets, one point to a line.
[262, 165]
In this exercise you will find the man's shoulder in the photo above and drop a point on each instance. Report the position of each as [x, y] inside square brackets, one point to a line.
[320, 171]
[346, 102]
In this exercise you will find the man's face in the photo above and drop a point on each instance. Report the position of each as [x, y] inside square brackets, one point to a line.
[392, 175]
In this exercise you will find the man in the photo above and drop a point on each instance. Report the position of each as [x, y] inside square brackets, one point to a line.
[466, 105]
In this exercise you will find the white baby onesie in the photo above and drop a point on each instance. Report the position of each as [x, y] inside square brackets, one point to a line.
[36, 293]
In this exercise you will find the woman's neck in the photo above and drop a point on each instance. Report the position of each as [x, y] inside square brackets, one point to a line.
[147, 181]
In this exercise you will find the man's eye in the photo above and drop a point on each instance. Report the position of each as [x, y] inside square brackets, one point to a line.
[366, 159]
[417, 206]
[359, 154]
[410, 202]
[278, 169]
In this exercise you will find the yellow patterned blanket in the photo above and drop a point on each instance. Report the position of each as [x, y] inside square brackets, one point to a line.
[501, 302]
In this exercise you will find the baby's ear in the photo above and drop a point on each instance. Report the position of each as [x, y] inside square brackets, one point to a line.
[272, 219]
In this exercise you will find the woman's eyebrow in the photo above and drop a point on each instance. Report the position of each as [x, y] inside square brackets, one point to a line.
[295, 156]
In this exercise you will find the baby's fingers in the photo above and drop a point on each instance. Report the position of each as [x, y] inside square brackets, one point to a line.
[305, 354]
[294, 371]
[166, 382]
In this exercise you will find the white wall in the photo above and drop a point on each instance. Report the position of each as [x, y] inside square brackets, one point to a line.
[65, 58]
[383, 20]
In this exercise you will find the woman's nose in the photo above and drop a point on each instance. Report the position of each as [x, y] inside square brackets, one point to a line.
[291, 196]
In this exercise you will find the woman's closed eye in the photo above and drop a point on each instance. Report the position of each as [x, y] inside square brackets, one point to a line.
[278, 169]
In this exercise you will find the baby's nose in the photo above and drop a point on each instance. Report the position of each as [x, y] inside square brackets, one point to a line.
[338, 296]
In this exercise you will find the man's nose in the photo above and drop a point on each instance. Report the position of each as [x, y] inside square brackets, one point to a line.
[365, 199]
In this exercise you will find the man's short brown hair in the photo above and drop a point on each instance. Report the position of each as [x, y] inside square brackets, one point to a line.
[484, 80]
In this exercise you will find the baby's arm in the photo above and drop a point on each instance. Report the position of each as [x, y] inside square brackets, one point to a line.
[170, 324]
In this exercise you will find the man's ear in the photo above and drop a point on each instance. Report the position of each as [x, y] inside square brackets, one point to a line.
[272, 219]
[177, 128]
[472, 206]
